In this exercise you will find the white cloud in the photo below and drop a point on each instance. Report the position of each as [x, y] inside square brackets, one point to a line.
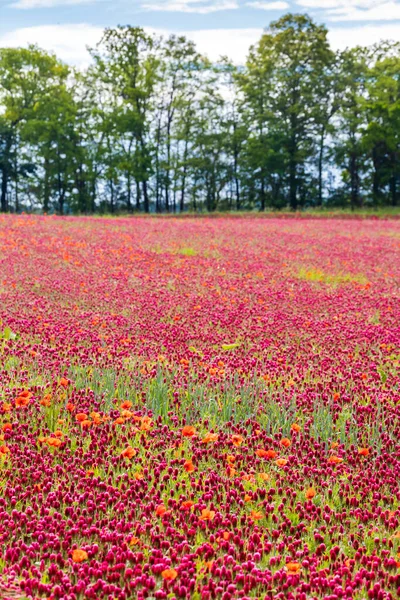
[234, 43]
[69, 42]
[268, 5]
[191, 6]
[28, 4]
[388, 11]
[323, 4]
[355, 10]
[364, 35]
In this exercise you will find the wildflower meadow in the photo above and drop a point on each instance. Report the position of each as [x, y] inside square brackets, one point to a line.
[199, 408]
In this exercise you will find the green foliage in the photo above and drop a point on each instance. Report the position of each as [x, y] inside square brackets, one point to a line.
[153, 126]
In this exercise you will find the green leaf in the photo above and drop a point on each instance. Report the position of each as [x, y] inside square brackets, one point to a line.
[7, 334]
[227, 347]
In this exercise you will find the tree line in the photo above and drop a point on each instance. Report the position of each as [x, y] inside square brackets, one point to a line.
[151, 125]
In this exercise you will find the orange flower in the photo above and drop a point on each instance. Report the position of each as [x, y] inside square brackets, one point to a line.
[146, 423]
[237, 440]
[188, 431]
[187, 505]
[334, 445]
[256, 515]
[208, 565]
[293, 567]
[230, 459]
[335, 460]
[119, 421]
[364, 451]
[226, 535]
[4, 450]
[126, 405]
[261, 453]
[264, 476]
[161, 510]
[46, 400]
[79, 555]
[21, 401]
[129, 452]
[247, 498]
[209, 437]
[58, 433]
[134, 541]
[63, 382]
[295, 427]
[285, 442]
[281, 462]
[189, 466]
[96, 417]
[6, 407]
[54, 442]
[169, 574]
[81, 417]
[310, 493]
[126, 414]
[207, 514]
[86, 423]
[7, 427]
[70, 407]
[25, 394]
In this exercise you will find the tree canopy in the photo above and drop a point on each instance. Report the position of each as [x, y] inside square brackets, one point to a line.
[152, 125]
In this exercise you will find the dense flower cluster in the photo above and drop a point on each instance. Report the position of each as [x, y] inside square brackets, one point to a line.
[199, 408]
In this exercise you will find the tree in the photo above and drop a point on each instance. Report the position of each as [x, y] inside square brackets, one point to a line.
[127, 61]
[350, 148]
[382, 135]
[282, 86]
[27, 76]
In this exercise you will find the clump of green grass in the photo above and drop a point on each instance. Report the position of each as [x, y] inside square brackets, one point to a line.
[186, 251]
[319, 276]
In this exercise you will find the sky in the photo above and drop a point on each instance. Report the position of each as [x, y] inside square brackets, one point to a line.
[219, 27]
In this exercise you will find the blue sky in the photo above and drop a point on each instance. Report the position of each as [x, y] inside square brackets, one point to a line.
[219, 27]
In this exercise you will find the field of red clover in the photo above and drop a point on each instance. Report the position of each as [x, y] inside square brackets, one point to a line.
[199, 408]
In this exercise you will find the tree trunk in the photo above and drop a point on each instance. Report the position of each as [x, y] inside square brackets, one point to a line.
[128, 192]
[182, 200]
[375, 177]
[393, 182]
[167, 179]
[5, 175]
[354, 182]
[93, 195]
[320, 165]
[262, 192]
[46, 196]
[292, 183]
[146, 203]
[138, 195]
[16, 184]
